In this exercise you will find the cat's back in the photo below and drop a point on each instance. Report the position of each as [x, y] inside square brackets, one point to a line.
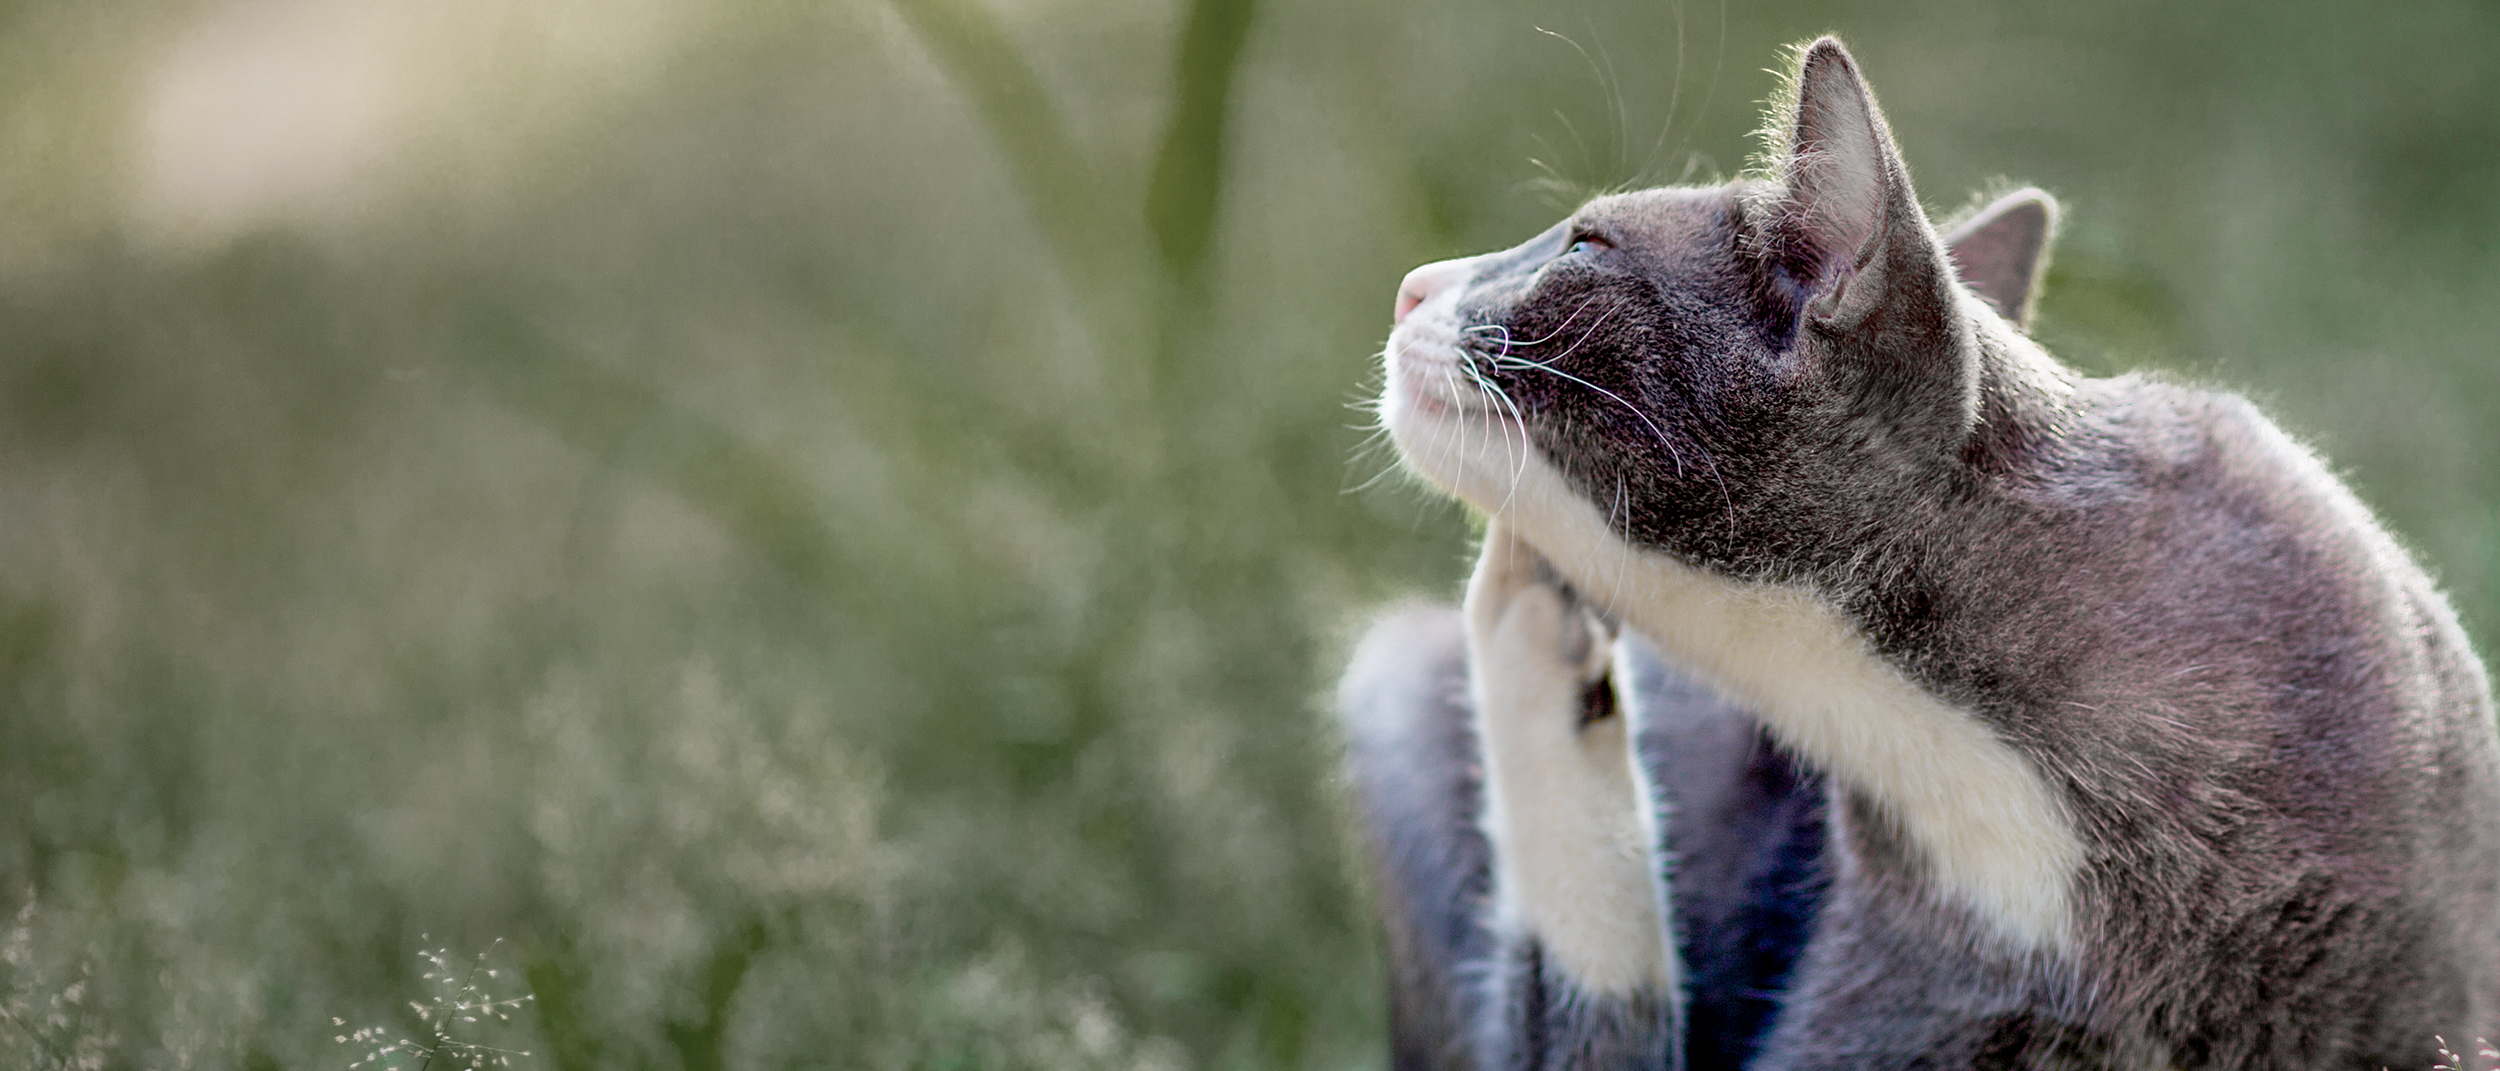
[2218, 516]
[2275, 707]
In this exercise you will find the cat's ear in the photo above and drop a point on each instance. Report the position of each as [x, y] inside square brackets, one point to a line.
[2001, 251]
[1850, 219]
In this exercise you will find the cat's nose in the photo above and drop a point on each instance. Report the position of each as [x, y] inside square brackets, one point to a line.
[1426, 281]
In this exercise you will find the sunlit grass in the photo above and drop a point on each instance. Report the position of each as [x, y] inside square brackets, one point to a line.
[463, 1005]
[2451, 1061]
[838, 572]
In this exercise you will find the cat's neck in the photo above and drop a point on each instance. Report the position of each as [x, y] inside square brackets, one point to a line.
[2028, 408]
[1987, 827]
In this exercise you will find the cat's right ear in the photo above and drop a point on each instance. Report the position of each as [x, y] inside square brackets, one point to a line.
[1878, 298]
[2001, 251]
[1850, 227]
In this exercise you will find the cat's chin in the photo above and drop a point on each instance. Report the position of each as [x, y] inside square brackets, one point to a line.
[1414, 387]
[1467, 447]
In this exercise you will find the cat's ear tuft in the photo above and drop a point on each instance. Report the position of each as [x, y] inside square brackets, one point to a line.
[1848, 219]
[1877, 291]
[2001, 251]
[1840, 169]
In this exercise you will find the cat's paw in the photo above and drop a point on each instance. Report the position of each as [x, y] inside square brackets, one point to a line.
[1533, 638]
[1564, 812]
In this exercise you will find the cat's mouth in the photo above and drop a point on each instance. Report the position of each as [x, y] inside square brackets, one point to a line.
[1443, 392]
[1450, 427]
[1433, 377]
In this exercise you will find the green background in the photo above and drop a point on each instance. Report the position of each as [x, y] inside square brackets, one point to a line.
[827, 528]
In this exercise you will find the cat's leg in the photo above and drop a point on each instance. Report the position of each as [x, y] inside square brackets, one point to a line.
[1411, 754]
[1748, 840]
[1584, 972]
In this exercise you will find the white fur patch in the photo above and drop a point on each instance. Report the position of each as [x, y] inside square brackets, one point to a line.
[1994, 835]
[1563, 803]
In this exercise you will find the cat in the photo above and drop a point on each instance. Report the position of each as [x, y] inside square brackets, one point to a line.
[1750, 846]
[1990, 715]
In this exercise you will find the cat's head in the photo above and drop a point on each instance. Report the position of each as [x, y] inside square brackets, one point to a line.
[1721, 369]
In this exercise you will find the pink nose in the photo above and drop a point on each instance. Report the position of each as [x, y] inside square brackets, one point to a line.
[1426, 281]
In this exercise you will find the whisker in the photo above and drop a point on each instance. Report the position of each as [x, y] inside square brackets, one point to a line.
[1459, 431]
[1507, 359]
[1371, 447]
[1374, 481]
[1673, 454]
[1622, 505]
[1484, 349]
[1519, 458]
[1508, 343]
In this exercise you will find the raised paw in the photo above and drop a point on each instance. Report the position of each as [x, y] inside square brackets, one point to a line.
[1564, 808]
[1531, 633]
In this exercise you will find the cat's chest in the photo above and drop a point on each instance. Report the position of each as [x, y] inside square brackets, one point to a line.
[1988, 828]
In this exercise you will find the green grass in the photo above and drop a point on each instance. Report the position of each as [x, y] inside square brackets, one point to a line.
[831, 538]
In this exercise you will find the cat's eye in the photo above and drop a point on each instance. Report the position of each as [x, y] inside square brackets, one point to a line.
[1583, 244]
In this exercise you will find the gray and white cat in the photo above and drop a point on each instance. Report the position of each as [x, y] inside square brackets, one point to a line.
[2015, 718]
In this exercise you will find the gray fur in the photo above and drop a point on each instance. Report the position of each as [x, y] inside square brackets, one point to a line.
[1539, 1020]
[1411, 748]
[2261, 717]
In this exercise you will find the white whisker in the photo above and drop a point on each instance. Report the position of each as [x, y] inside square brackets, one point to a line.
[1519, 456]
[1506, 358]
[1672, 453]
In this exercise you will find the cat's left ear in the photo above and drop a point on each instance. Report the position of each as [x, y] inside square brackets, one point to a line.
[1875, 271]
[2002, 250]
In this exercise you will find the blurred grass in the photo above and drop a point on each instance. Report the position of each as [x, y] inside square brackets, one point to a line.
[829, 532]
